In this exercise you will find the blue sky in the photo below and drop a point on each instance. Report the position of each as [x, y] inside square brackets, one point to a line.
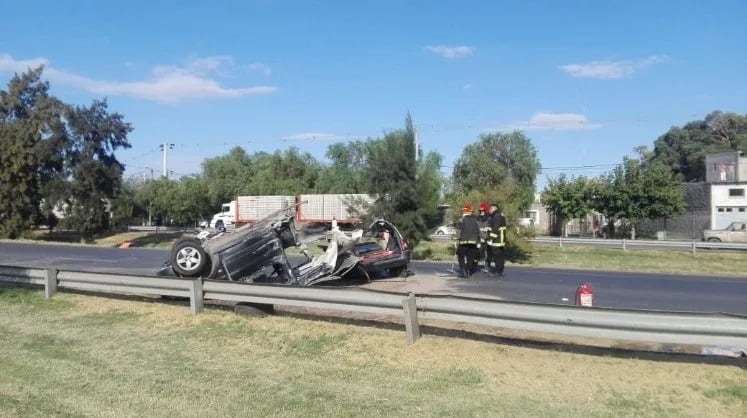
[587, 80]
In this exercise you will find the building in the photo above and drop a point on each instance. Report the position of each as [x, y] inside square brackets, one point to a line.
[537, 216]
[726, 175]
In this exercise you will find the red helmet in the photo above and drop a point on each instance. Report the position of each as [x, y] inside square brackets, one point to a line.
[467, 208]
[484, 207]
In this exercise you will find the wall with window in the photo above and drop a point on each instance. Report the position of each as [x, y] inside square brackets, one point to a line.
[728, 204]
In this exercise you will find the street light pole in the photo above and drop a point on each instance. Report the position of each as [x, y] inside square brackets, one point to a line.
[165, 147]
[150, 203]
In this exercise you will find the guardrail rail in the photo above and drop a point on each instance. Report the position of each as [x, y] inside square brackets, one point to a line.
[626, 244]
[709, 330]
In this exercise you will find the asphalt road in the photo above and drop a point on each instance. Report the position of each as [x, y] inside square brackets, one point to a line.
[542, 285]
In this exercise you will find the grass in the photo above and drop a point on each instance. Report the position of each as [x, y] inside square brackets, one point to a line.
[88, 356]
[591, 258]
[658, 261]
[112, 239]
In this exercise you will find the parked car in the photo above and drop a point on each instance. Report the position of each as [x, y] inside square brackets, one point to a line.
[256, 253]
[735, 232]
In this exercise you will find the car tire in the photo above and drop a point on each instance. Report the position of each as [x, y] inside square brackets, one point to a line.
[440, 233]
[188, 258]
[219, 225]
[714, 240]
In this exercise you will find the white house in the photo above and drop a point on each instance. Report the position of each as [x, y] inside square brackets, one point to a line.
[727, 175]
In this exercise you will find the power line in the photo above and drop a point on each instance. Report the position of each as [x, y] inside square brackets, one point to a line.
[580, 167]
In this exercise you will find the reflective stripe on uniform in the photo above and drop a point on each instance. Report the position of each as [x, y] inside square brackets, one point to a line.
[501, 238]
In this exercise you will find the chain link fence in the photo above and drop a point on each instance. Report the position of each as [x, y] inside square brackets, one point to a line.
[689, 226]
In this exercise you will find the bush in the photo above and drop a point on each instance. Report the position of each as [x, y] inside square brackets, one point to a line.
[518, 248]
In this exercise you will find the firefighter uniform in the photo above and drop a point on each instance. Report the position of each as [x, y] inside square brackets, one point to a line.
[496, 242]
[482, 220]
[468, 242]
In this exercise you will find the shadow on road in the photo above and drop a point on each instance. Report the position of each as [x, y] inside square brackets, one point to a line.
[154, 240]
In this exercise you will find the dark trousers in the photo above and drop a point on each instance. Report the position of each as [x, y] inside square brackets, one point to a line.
[495, 255]
[467, 256]
[482, 252]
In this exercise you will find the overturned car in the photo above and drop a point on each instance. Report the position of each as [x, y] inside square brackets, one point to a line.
[256, 253]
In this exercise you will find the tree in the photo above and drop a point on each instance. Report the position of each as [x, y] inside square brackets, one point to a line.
[569, 198]
[497, 158]
[237, 173]
[683, 149]
[146, 196]
[283, 172]
[124, 207]
[346, 170]
[191, 192]
[227, 175]
[30, 138]
[633, 191]
[391, 173]
[94, 171]
[429, 186]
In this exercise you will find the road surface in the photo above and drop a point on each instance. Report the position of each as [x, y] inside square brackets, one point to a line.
[542, 285]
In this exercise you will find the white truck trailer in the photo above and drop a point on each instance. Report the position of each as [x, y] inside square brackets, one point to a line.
[309, 208]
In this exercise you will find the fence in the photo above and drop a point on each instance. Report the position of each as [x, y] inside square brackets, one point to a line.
[624, 244]
[689, 225]
[713, 332]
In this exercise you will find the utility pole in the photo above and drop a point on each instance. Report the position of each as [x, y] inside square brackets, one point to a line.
[165, 147]
[150, 202]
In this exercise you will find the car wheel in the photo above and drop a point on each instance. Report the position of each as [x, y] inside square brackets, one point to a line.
[219, 225]
[188, 258]
[714, 240]
[439, 232]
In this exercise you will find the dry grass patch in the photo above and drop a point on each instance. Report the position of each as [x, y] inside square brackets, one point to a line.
[591, 258]
[85, 355]
[660, 261]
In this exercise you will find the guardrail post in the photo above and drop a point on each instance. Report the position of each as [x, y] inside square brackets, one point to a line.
[625, 248]
[196, 303]
[412, 327]
[693, 247]
[50, 285]
[560, 241]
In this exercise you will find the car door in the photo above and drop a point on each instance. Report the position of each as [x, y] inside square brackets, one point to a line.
[739, 233]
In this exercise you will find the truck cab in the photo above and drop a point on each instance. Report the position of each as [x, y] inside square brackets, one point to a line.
[226, 217]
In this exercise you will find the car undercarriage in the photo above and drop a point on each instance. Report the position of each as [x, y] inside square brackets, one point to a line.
[257, 253]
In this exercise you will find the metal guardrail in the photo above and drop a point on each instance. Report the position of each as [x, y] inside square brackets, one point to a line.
[156, 229]
[624, 244]
[710, 331]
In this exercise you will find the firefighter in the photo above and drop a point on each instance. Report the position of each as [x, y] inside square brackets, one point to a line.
[482, 221]
[469, 240]
[496, 242]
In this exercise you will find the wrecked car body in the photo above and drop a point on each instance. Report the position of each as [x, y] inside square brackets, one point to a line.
[388, 254]
[256, 253]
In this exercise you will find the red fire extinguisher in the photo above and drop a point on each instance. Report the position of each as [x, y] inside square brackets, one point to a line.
[585, 295]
